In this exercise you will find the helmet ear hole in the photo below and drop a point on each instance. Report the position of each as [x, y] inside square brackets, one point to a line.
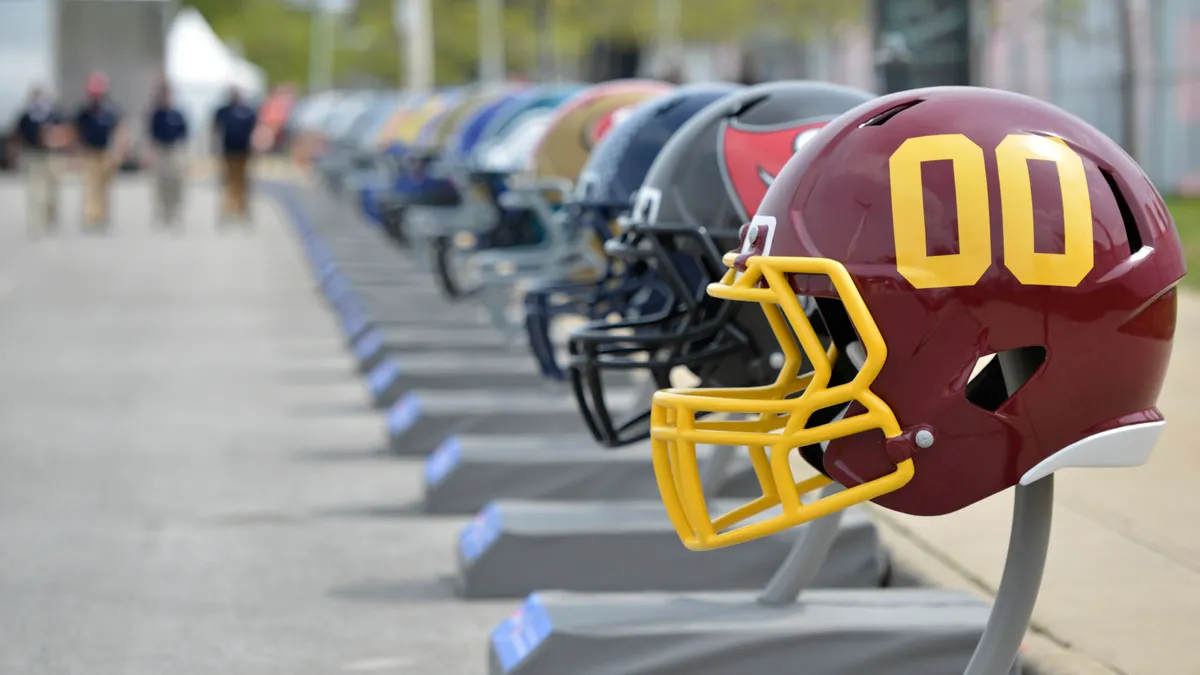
[997, 377]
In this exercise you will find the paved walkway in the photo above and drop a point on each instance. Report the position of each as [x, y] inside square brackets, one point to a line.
[188, 482]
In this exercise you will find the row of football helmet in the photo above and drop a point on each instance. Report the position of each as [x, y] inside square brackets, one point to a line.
[925, 297]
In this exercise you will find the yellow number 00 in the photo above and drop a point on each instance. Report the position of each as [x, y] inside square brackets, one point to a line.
[974, 255]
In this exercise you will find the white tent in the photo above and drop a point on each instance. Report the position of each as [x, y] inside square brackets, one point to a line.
[200, 70]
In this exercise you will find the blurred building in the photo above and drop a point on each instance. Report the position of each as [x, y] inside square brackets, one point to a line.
[1129, 67]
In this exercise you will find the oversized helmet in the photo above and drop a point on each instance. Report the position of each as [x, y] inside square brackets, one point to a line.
[409, 103]
[436, 137]
[998, 279]
[481, 182]
[448, 138]
[582, 121]
[603, 193]
[545, 247]
[464, 202]
[437, 152]
[415, 183]
[407, 128]
[407, 167]
[703, 186]
[488, 150]
[506, 144]
[470, 131]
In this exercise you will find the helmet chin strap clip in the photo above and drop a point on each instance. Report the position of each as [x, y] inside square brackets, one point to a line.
[908, 443]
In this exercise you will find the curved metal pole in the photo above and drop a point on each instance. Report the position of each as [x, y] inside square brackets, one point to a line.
[1033, 511]
[715, 471]
[804, 561]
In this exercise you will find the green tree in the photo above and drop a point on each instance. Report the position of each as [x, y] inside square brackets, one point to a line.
[276, 37]
[271, 35]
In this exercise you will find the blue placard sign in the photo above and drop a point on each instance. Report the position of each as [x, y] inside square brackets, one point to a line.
[404, 414]
[522, 632]
[347, 303]
[368, 344]
[355, 322]
[442, 461]
[479, 534]
[336, 286]
[383, 376]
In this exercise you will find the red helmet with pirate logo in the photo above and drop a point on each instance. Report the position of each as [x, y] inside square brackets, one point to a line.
[703, 185]
[998, 280]
[751, 155]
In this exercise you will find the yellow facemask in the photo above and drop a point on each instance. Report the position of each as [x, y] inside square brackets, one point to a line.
[774, 415]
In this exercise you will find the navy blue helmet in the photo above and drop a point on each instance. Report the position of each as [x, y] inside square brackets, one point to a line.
[603, 193]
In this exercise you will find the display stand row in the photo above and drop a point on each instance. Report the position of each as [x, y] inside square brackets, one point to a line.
[556, 512]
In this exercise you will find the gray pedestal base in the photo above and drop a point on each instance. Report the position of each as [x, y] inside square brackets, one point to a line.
[373, 345]
[831, 632]
[466, 473]
[400, 300]
[358, 323]
[376, 278]
[422, 307]
[393, 377]
[435, 338]
[513, 548]
[421, 420]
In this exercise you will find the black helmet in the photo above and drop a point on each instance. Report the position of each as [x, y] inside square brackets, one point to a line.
[604, 192]
[704, 185]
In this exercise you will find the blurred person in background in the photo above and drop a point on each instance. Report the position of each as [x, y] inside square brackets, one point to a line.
[169, 134]
[41, 132]
[233, 125]
[99, 131]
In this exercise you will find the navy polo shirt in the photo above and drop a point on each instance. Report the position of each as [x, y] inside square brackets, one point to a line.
[236, 122]
[33, 120]
[95, 124]
[168, 126]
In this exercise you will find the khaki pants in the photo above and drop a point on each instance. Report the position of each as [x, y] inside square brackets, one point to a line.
[235, 180]
[168, 182]
[41, 186]
[98, 169]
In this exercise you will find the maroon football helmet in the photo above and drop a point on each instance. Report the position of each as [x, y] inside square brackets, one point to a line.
[999, 280]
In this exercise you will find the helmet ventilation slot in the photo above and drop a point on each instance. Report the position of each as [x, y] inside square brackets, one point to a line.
[1132, 234]
[747, 105]
[883, 117]
[996, 377]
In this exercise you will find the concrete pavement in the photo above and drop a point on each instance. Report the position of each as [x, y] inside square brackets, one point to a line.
[189, 470]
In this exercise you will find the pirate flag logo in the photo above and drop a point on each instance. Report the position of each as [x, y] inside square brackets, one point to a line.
[752, 156]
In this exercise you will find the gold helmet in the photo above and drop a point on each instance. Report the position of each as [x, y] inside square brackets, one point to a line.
[580, 122]
[408, 124]
[460, 112]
